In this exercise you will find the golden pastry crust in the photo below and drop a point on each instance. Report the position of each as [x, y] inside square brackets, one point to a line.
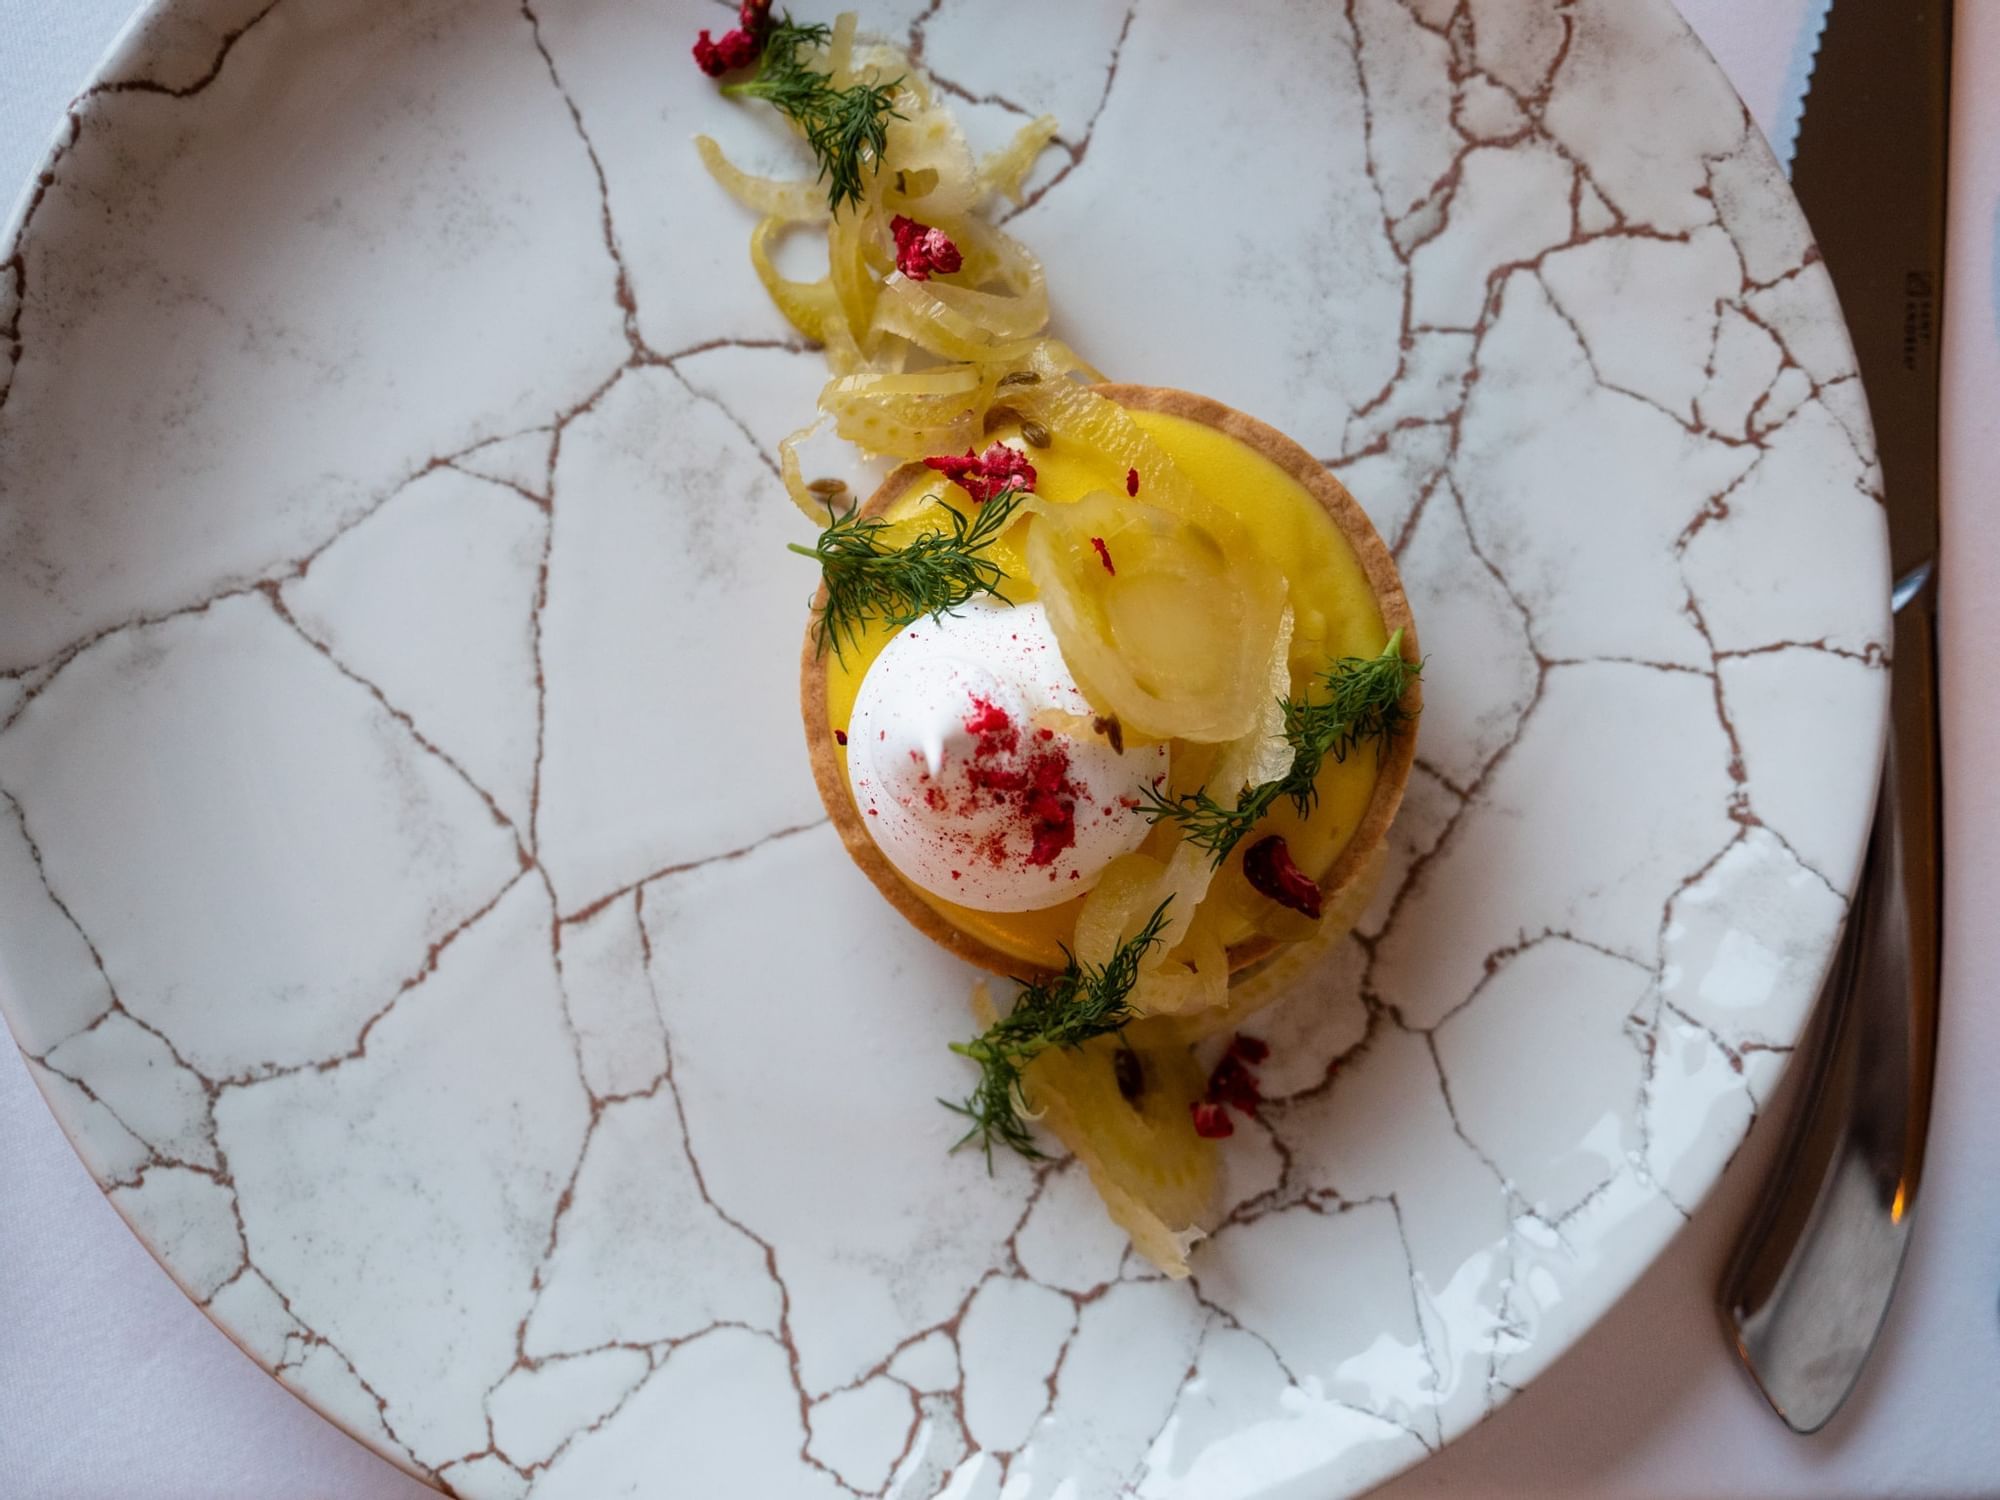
[1392, 776]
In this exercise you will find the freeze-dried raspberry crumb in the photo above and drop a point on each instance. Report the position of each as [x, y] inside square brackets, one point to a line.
[1211, 1121]
[736, 49]
[984, 475]
[922, 251]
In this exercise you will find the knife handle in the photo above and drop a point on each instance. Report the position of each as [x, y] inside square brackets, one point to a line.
[1810, 1282]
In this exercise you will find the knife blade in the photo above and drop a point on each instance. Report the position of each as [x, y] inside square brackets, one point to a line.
[1810, 1283]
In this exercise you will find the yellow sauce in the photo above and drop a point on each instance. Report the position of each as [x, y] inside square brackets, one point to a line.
[1335, 615]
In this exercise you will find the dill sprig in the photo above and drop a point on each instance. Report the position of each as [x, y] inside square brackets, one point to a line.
[848, 129]
[1205, 822]
[1066, 1010]
[936, 572]
[1363, 704]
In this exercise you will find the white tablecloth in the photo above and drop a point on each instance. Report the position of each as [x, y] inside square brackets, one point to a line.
[113, 1385]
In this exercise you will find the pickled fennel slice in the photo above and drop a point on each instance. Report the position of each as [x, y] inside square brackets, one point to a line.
[1276, 978]
[1192, 975]
[1129, 1121]
[991, 311]
[1166, 619]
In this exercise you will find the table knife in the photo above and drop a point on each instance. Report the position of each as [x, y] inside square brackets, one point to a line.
[1807, 1290]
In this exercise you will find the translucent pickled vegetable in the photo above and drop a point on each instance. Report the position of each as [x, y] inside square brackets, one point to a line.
[918, 312]
[1162, 622]
[799, 202]
[1128, 1121]
[995, 257]
[856, 282]
[1018, 314]
[1268, 752]
[991, 312]
[915, 385]
[1054, 360]
[907, 415]
[809, 306]
[1006, 170]
[1191, 979]
[1187, 971]
[803, 496]
[1277, 976]
[929, 151]
[840, 49]
[1184, 885]
[1125, 895]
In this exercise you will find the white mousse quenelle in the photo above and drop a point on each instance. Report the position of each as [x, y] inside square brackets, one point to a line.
[980, 770]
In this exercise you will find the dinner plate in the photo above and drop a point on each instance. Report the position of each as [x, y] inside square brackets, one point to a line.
[413, 896]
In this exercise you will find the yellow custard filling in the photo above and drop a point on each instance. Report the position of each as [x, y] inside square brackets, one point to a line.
[1335, 615]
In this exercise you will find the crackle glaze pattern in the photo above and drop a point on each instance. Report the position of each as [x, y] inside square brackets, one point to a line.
[413, 899]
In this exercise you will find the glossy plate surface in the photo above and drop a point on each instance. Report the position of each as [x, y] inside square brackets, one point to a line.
[413, 898]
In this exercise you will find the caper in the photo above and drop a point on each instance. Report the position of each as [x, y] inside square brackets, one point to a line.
[1130, 1073]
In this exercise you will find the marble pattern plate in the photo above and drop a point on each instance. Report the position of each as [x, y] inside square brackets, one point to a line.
[413, 899]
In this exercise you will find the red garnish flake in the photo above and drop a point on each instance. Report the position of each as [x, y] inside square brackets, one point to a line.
[1037, 783]
[922, 250]
[840, 736]
[1251, 1049]
[1104, 555]
[1231, 1086]
[738, 48]
[1235, 1085]
[1211, 1121]
[991, 720]
[1269, 869]
[984, 475]
[1131, 481]
[956, 875]
[1052, 806]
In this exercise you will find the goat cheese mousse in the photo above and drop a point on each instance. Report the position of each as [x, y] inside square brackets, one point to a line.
[980, 769]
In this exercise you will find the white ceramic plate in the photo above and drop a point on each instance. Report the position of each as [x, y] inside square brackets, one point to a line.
[412, 894]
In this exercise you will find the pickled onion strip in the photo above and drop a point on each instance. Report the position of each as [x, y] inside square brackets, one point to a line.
[1006, 170]
[794, 202]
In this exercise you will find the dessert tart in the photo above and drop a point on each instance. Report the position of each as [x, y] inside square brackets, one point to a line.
[976, 873]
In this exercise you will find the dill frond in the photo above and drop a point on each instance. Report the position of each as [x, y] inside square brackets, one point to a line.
[936, 572]
[1363, 705]
[1083, 1002]
[848, 129]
